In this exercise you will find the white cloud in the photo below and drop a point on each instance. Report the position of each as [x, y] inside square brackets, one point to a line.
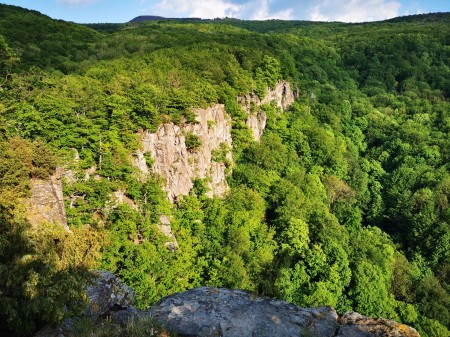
[260, 10]
[354, 10]
[196, 8]
[317, 10]
[207, 9]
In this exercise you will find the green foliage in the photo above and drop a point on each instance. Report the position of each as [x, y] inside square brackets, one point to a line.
[7, 58]
[267, 75]
[193, 141]
[43, 273]
[238, 245]
[21, 160]
[221, 154]
[343, 202]
[36, 288]
[139, 327]
[42, 41]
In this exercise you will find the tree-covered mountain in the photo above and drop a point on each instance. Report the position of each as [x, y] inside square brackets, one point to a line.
[343, 202]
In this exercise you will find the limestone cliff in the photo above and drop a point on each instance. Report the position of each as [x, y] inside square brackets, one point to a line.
[46, 203]
[282, 95]
[172, 156]
[180, 164]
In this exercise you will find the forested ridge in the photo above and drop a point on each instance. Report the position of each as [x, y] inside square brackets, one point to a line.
[343, 202]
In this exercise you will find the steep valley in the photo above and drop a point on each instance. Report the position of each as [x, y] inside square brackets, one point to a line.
[303, 162]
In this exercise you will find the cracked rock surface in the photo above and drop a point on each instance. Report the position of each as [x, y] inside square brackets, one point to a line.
[205, 312]
[214, 312]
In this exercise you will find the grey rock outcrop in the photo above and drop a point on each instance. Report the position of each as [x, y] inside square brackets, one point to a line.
[179, 165]
[46, 203]
[108, 296]
[166, 229]
[119, 197]
[209, 312]
[206, 312]
[231, 313]
[106, 293]
[282, 95]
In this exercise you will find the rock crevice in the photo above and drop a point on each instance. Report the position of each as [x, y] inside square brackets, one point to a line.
[206, 311]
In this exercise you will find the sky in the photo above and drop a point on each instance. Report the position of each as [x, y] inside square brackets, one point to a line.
[100, 11]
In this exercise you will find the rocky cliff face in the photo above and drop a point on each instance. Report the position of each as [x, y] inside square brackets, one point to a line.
[179, 164]
[282, 95]
[173, 157]
[47, 203]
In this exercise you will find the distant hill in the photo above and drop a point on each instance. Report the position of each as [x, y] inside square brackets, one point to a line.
[431, 17]
[148, 18]
[144, 18]
[42, 41]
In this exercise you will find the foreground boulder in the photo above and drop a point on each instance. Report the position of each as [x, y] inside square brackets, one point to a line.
[222, 312]
[210, 312]
[206, 312]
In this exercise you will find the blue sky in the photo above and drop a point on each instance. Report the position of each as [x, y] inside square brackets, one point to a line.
[92, 11]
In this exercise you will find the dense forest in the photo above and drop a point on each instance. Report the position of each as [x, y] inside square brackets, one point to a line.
[343, 202]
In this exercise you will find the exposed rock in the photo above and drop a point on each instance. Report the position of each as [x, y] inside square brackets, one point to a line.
[90, 171]
[356, 325]
[164, 227]
[282, 95]
[257, 123]
[208, 312]
[234, 313]
[108, 296]
[119, 197]
[108, 293]
[140, 162]
[256, 120]
[178, 165]
[46, 203]
[231, 313]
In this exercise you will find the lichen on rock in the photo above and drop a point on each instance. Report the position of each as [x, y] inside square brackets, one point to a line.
[223, 312]
[206, 311]
[106, 293]
[357, 325]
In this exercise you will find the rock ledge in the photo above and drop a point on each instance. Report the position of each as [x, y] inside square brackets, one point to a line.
[206, 312]
[211, 312]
